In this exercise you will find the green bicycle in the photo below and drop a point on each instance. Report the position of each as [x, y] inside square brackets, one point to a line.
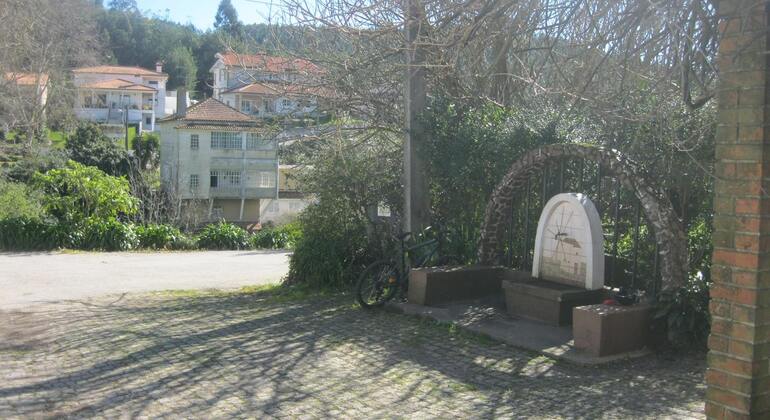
[381, 280]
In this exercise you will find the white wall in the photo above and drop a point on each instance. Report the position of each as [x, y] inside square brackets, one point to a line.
[282, 210]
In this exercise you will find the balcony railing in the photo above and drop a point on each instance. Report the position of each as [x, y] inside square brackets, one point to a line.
[235, 192]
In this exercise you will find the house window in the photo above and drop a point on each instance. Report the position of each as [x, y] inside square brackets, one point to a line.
[232, 178]
[153, 83]
[148, 120]
[272, 207]
[214, 179]
[266, 105]
[285, 103]
[254, 141]
[88, 101]
[225, 179]
[101, 100]
[194, 182]
[225, 140]
[267, 180]
[246, 106]
[194, 142]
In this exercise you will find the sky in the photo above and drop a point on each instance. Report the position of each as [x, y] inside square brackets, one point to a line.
[201, 12]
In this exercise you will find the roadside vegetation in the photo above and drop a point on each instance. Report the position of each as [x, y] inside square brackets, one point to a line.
[633, 76]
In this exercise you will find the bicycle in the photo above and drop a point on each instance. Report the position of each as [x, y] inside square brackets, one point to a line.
[381, 280]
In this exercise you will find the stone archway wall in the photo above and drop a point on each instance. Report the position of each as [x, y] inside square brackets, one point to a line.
[668, 231]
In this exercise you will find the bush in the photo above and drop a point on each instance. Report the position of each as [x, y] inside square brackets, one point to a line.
[281, 237]
[223, 235]
[27, 234]
[684, 315]
[19, 200]
[184, 243]
[78, 192]
[332, 249]
[158, 236]
[108, 235]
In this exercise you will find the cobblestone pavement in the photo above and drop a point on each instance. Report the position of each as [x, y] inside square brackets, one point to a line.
[260, 355]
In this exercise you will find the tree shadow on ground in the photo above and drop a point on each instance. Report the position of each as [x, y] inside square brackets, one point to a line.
[264, 354]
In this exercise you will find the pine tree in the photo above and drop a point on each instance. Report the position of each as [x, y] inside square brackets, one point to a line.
[226, 19]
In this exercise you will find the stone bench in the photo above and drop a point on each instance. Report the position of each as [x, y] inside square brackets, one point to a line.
[436, 285]
[605, 330]
[543, 300]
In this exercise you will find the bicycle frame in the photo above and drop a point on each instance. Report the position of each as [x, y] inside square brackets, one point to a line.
[406, 262]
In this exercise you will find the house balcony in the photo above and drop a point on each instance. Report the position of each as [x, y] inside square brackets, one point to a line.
[110, 115]
[248, 193]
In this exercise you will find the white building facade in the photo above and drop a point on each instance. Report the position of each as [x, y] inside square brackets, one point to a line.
[218, 162]
[267, 86]
[115, 95]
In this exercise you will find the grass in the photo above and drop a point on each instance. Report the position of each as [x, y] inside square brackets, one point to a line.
[272, 293]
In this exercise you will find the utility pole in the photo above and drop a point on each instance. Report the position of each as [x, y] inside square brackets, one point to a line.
[125, 123]
[417, 200]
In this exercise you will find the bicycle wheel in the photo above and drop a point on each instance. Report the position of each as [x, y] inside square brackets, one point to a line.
[377, 284]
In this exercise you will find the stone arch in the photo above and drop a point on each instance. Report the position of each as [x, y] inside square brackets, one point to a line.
[668, 231]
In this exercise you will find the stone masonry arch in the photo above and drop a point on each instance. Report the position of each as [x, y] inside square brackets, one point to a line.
[668, 230]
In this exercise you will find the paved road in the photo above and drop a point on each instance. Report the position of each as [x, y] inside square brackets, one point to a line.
[265, 356]
[31, 278]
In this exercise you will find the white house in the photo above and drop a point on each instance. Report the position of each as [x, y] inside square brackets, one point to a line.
[267, 86]
[106, 93]
[219, 163]
[33, 85]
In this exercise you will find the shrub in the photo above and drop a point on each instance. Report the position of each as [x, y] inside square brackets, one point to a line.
[184, 243]
[27, 234]
[78, 192]
[332, 249]
[108, 235]
[90, 147]
[19, 200]
[223, 235]
[683, 314]
[281, 237]
[158, 236]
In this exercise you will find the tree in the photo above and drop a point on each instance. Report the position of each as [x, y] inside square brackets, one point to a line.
[42, 39]
[124, 5]
[78, 192]
[181, 68]
[226, 19]
[89, 146]
[147, 151]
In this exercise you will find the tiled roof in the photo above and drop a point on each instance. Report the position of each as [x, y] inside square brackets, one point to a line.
[135, 71]
[118, 84]
[277, 89]
[212, 110]
[26, 79]
[269, 63]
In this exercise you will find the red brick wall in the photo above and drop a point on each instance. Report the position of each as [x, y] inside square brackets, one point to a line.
[738, 375]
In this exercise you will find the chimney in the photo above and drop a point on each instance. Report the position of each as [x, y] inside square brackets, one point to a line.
[181, 101]
[159, 66]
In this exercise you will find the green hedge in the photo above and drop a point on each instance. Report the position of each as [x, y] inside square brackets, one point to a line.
[26, 234]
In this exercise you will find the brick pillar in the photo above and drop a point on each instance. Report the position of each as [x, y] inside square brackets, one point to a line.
[738, 375]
